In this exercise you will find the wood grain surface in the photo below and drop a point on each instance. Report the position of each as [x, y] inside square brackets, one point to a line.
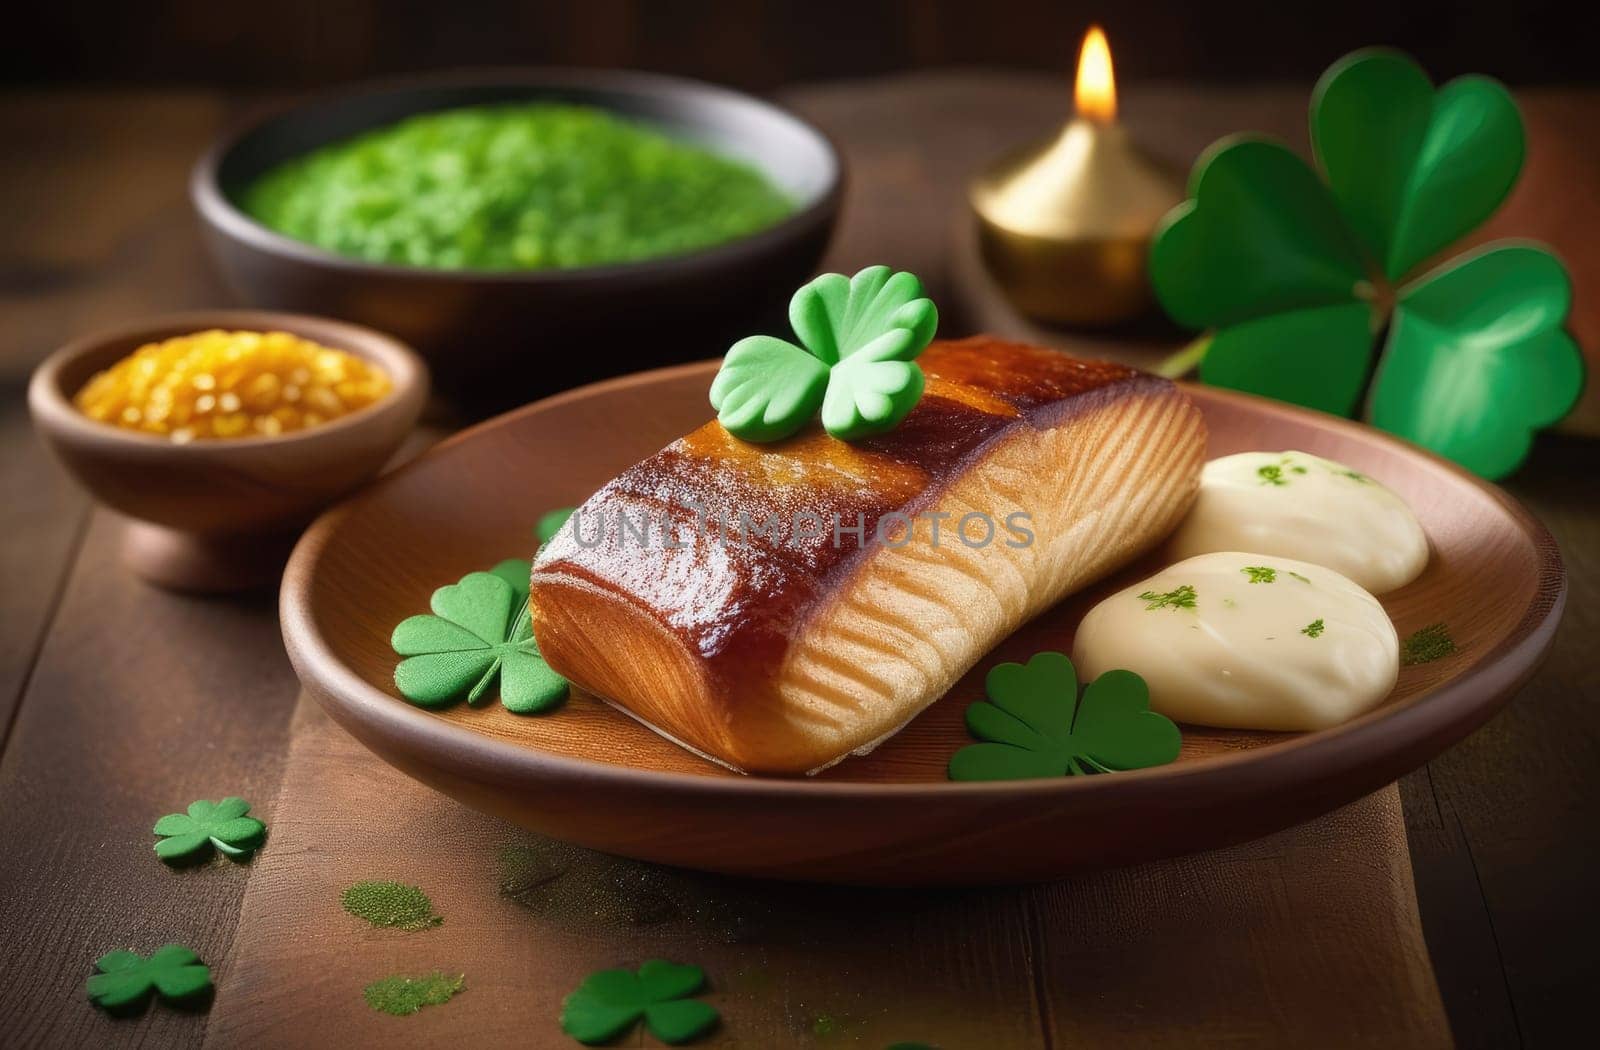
[1239, 946]
[1504, 830]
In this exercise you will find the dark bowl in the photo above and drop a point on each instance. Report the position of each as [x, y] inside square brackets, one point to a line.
[497, 337]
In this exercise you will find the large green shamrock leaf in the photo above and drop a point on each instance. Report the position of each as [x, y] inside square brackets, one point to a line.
[859, 340]
[610, 1002]
[126, 980]
[1297, 276]
[1481, 341]
[1413, 169]
[479, 631]
[1034, 724]
[1233, 253]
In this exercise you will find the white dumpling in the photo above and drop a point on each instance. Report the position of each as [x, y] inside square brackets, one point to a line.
[1297, 505]
[1246, 641]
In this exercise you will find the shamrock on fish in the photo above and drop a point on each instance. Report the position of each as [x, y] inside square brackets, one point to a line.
[1297, 276]
[1035, 725]
[859, 339]
[610, 1002]
[207, 825]
[479, 633]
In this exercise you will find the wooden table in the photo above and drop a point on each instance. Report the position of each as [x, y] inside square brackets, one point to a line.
[118, 701]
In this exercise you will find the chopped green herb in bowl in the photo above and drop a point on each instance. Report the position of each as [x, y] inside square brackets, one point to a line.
[523, 186]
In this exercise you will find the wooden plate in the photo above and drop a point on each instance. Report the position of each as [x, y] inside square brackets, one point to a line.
[591, 775]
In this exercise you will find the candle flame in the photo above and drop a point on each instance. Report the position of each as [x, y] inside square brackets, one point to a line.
[1096, 91]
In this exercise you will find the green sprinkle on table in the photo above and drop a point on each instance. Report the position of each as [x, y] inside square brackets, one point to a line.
[514, 187]
[400, 995]
[391, 904]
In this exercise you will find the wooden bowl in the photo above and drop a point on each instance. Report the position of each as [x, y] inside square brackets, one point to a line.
[591, 775]
[497, 338]
[221, 515]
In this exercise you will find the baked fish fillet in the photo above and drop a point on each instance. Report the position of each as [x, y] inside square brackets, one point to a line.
[708, 591]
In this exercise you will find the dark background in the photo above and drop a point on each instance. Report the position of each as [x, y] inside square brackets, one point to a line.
[760, 44]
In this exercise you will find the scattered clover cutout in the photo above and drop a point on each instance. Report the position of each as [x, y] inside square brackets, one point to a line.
[1035, 725]
[610, 1002]
[222, 826]
[126, 980]
[1297, 276]
[479, 632]
[856, 362]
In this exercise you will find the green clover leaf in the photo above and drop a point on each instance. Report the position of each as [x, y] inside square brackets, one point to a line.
[859, 338]
[549, 524]
[835, 316]
[1234, 252]
[872, 390]
[1414, 170]
[207, 825]
[1297, 277]
[1034, 724]
[1318, 358]
[471, 640]
[767, 389]
[1481, 339]
[126, 980]
[610, 1002]
[518, 574]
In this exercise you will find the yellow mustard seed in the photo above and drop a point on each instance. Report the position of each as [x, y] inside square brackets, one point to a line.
[218, 384]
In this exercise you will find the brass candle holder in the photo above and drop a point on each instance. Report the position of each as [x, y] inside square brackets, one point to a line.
[1064, 226]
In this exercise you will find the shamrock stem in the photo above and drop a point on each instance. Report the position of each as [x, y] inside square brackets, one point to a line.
[523, 616]
[484, 683]
[1186, 360]
[1363, 405]
[1383, 296]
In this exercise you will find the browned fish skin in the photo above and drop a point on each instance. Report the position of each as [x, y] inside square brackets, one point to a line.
[707, 641]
